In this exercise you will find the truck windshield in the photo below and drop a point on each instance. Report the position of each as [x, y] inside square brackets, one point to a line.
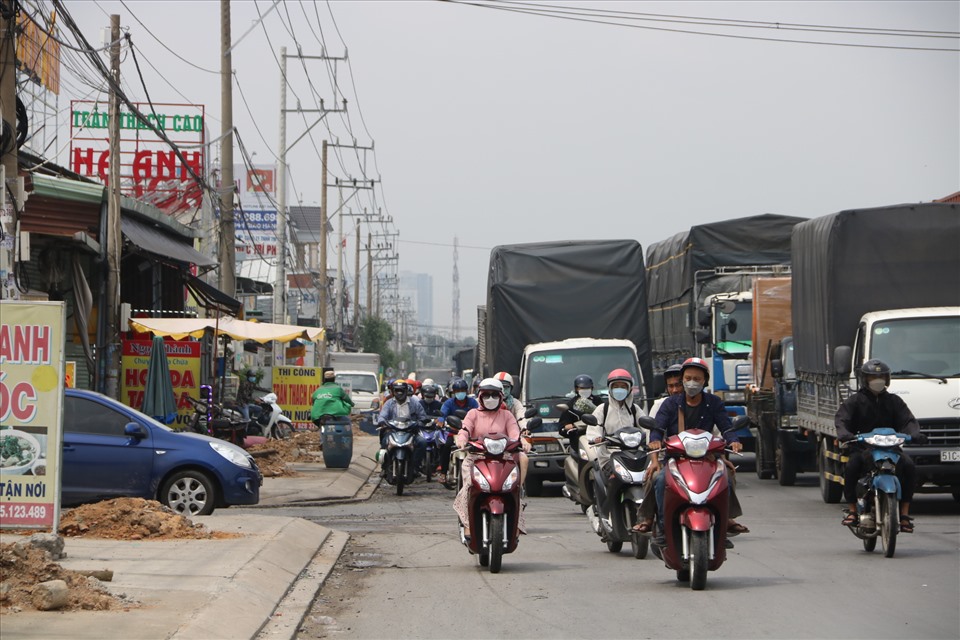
[551, 373]
[918, 347]
[359, 381]
[733, 331]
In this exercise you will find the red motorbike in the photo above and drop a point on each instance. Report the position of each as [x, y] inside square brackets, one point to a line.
[693, 535]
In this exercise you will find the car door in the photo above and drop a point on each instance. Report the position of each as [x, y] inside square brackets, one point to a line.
[99, 460]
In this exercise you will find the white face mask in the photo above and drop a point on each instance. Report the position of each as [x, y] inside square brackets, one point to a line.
[491, 403]
[877, 385]
[619, 394]
[692, 388]
[584, 393]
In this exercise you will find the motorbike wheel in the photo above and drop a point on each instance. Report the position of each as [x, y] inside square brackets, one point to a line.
[496, 542]
[639, 544]
[614, 546]
[400, 473]
[889, 517]
[869, 544]
[700, 563]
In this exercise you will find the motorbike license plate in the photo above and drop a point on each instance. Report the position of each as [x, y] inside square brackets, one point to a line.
[950, 456]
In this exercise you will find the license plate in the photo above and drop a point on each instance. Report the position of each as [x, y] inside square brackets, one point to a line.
[950, 456]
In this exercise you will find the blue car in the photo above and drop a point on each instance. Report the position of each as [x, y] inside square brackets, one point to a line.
[113, 451]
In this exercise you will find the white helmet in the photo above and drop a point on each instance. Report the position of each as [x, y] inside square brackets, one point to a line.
[504, 378]
[490, 387]
[491, 384]
[428, 381]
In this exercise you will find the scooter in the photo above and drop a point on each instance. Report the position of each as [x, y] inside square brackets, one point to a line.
[435, 436]
[396, 462]
[578, 465]
[457, 456]
[213, 420]
[271, 421]
[878, 492]
[629, 459]
[692, 538]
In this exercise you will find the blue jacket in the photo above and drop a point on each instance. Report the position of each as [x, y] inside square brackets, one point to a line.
[452, 405]
[432, 408]
[714, 414]
[389, 410]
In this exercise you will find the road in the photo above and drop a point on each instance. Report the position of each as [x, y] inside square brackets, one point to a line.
[798, 574]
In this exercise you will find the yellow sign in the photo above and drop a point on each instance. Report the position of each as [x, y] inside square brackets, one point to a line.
[70, 379]
[183, 359]
[294, 386]
[38, 54]
[32, 339]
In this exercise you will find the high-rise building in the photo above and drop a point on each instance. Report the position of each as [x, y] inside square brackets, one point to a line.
[419, 288]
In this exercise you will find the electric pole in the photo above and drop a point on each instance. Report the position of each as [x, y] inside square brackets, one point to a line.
[114, 241]
[456, 290]
[369, 274]
[324, 214]
[227, 247]
[8, 102]
[356, 286]
[280, 283]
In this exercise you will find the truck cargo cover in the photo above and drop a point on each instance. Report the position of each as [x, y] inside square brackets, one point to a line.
[857, 261]
[673, 263]
[549, 291]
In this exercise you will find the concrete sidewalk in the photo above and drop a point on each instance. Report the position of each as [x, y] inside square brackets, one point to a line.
[260, 583]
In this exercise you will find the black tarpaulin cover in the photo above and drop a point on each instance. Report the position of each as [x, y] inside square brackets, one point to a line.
[673, 263]
[853, 262]
[550, 291]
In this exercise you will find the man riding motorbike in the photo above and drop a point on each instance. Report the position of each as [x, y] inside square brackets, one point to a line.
[695, 409]
[330, 399]
[582, 401]
[403, 406]
[870, 407]
[509, 401]
[459, 402]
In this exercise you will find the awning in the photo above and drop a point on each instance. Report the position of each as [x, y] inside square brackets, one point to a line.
[249, 286]
[161, 244]
[261, 332]
[212, 298]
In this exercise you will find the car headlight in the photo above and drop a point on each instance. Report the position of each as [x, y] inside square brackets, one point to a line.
[511, 479]
[233, 453]
[480, 481]
[494, 447]
[622, 471]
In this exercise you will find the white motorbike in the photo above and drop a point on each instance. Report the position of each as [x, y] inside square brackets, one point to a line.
[272, 422]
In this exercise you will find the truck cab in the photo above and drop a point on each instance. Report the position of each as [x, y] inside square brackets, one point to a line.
[364, 387]
[547, 371]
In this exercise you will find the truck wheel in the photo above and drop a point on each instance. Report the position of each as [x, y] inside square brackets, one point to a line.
[764, 454]
[786, 464]
[830, 491]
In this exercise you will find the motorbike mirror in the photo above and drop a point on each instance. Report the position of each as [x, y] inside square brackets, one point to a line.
[560, 406]
[460, 413]
[454, 421]
[590, 419]
[741, 422]
[531, 412]
[647, 422]
[534, 423]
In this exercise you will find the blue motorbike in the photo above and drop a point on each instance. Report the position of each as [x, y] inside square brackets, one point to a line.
[878, 491]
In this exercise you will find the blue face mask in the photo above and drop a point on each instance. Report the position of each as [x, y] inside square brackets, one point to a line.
[619, 394]
[460, 395]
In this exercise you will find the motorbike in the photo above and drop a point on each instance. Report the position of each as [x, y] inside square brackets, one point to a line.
[271, 422]
[396, 462]
[435, 436]
[878, 492]
[217, 421]
[578, 465]
[452, 427]
[629, 459]
[692, 538]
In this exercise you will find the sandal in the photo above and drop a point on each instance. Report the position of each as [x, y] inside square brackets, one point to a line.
[906, 524]
[735, 528]
[851, 519]
[441, 478]
[643, 528]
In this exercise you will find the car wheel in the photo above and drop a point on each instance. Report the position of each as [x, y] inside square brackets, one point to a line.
[189, 493]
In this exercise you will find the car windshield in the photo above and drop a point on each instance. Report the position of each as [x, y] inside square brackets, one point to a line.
[734, 330]
[917, 347]
[359, 382]
[551, 373]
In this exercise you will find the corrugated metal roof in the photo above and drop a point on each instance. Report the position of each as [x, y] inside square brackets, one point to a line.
[162, 244]
[951, 199]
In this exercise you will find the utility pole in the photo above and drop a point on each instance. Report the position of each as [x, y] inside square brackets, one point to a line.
[8, 102]
[227, 247]
[456, 290]
[280, 284]
[324, 214]
[356, 285]
[369, 274]
[114, 241]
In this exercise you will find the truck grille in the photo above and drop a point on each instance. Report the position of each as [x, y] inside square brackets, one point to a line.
[941, 433]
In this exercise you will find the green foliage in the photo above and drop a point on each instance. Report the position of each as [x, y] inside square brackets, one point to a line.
[375, 336]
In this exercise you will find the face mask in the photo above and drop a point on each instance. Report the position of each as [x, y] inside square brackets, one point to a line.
[491, 403]
[506, 392]
[584, 393]
[400, 397]
[619, 394]
[877, 385]
[460, 395]
[692, 388]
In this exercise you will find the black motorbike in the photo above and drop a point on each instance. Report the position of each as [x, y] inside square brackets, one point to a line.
[578, 467]
[396, 462]
[215, 420]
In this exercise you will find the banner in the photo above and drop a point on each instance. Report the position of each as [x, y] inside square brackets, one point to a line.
[184, 360]
[294, 386]
[32, 339]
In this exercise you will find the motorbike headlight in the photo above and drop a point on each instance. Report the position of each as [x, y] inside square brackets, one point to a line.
[513, 476]
[622, 471]
[882, 440]
[493, 446]
[480, 481]
[696, 446]
[583, 454]
[632, 440]
[233, 453]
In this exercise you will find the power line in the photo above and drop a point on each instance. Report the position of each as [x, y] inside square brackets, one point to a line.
[444, 244]
[140, 22]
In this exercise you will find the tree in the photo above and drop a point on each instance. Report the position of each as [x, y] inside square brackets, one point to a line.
[375, 336]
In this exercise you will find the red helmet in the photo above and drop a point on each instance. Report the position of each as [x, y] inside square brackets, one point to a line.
[696, 363]
[619, 375]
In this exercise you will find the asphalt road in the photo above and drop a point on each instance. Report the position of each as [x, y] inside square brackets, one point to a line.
[798, 574]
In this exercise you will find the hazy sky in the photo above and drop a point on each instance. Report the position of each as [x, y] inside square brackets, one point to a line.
[502, 128]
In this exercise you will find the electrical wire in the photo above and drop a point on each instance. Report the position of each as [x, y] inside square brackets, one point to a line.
[162, 44]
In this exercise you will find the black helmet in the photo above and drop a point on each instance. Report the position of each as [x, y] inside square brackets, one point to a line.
[674, 370]
[874, 367]
[458, 384]
[429, 390]
[583, 381]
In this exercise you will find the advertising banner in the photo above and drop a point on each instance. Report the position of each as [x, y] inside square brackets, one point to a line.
[31, 413]
[294, 386]
[183, 357]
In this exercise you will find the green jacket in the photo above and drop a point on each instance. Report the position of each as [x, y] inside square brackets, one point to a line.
[330, 400]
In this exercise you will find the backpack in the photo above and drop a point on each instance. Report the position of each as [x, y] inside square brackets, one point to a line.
[633, 412]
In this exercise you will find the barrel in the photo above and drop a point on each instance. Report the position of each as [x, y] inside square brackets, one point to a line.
[336, 434]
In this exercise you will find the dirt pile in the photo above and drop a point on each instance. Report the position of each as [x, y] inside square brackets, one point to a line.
[274, 456]
[131, 519]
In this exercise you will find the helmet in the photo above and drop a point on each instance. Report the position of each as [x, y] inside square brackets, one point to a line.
[698, 363]
[429, 390]
[619, 375]
[874, 367]
[491, 384]
[583, 381]
[674, 370]
[458, 384]
[428, 381]
[504, 378]
[399, 385]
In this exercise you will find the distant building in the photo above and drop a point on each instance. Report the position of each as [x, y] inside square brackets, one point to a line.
[419, 288]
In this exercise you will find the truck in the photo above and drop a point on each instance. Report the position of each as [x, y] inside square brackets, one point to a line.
[699, 285]
[880, 283]
[360, 373]
[558, 309]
